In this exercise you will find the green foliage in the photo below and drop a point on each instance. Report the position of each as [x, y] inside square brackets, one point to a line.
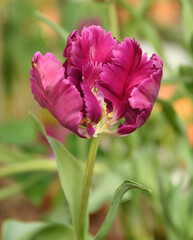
[17, 132]
[70, 173]
[158, 154]
[21, 231]
[127, 185]
[35, 231]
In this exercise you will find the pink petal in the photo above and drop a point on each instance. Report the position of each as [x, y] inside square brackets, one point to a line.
[128, 69]
[97, 45]
[46, 71]
[93, 107]
[54, 92]
[66, 104]
[90, 130]
[89, 51]
[91, 72]
[131, 82]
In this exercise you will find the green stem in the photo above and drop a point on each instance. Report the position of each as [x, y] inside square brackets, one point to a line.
[86, 189]
[113, 19]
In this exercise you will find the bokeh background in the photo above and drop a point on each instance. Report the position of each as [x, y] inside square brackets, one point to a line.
[158, 155]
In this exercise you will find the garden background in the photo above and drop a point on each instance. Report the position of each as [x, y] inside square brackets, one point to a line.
[158, 155]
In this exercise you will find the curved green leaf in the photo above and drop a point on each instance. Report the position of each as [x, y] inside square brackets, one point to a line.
[70, 173]
[121, 190]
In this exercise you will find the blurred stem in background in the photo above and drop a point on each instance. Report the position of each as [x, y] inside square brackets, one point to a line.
[113, 19]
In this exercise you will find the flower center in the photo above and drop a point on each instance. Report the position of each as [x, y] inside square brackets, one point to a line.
[106, 121]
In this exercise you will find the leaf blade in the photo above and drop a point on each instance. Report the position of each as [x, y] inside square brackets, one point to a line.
[119, 193]
[70, 173]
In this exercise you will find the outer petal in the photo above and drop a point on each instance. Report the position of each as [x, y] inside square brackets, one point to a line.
[54, 92]
[128, 69]
[46, 71]
[131, 83]
[66, 104]
[141, 103]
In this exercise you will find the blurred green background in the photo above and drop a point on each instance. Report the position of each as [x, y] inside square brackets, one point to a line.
[158, 155]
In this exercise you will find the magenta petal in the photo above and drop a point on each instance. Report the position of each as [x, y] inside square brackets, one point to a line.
[97, 45]
[54, 92]
[93, 107]
[93, 45]
[46, 71]
[131, 82]
[73, 37]
[48, 68]
[91, 72]
[66, 104]
[90, 130]
[125, 130]
[128, 69]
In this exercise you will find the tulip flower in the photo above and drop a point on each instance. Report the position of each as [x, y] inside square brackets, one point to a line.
[103, 86]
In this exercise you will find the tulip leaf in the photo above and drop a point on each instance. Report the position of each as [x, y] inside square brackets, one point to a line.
[191, 44]
[172, 117]
[35, 230]
[70, 173]
[119, 193]
[27, 166]
[187, 17]
[15, 188]
[186, 71]
[58, 232]
[10, 130]
[21, 231]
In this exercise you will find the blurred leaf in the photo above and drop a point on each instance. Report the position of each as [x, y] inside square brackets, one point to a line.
[145, 5]
[41, 182]
[84, 13]
[150, 32]
[172, 117]
[18, 132]
[21, 31]
[10, 154]
[27, 166]
[55, 232]
[21, 231]
[191, 44]
[177, 79]
[165, 196]
[16, 188]
[104, 190]
[121, 190]
[59, 212]
[127, 6]
[70, 173]
[187, 71]
[61, 31]
[35, 230]
[187, 14]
